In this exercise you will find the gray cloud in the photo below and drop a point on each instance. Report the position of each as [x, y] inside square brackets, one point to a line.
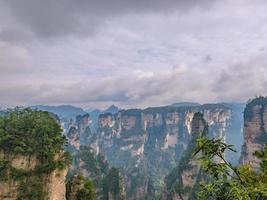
[131, 53]
[63, 17]
[142, 88]
[243, 80]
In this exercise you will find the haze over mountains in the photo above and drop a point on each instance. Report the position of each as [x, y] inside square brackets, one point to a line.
[147, 144]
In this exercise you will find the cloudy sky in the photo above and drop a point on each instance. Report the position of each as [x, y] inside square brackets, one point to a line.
[132, 53]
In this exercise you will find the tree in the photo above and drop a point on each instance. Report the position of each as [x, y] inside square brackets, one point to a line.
[226, 182]
[28, 132]
[87, 192]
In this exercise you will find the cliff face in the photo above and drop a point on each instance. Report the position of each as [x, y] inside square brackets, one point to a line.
[18, 171]
[33, 163]
[147, 144]
[56, 186]
[8, 187]
[181, 183]
[78, 131]
[159, 128]
[255, 130]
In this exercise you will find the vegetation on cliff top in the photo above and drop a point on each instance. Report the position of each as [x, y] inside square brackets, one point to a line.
[28, 132]
[31, 133]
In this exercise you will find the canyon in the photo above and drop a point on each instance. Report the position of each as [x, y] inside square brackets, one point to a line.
[141, 154]
[146, 145]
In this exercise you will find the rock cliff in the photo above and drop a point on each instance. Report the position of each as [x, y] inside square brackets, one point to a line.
[147, 144]
[33, 164]
[182, 182]
[255, 130]
[20, 175]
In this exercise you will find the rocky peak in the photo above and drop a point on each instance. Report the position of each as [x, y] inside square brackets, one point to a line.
[136, 140]
[181, 181]
[105, 120]
[255, 130]
[79, 131]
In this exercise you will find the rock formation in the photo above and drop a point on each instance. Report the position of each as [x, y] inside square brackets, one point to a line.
[78, 131]
[148, 144]
[255, 130]
[33, 164]
[20, 177]
[182, 182]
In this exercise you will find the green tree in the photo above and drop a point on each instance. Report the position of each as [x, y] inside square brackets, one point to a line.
[35, 133]
[87, 192]
[226, 182]
[27, 132]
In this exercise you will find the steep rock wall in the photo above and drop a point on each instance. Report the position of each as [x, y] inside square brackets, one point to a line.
[53, 183]
[148, 143]
[181, 183]
[255, 130]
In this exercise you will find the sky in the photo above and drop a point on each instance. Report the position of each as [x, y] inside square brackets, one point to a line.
[131, 53]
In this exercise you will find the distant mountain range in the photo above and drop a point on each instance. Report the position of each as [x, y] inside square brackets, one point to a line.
[63, 111]
[186, 104]
[69, 111]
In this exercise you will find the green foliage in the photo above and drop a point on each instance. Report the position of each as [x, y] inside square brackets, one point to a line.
[213, 150]
[95, 165]
[28, 132]
[3, 169]
[112, 184]
[32, 189]
[226, 182]
[80, 188]
[106, 180]
[87, 192]
[87, 155]
[173, 179]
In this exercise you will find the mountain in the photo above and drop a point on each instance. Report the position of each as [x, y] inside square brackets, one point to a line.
[147, 144]
[255, 130]
[185, 104]
[182, 182]
[63, 111]
[107, 181]
[34, 160]
[91, 164]
[95, 114]
[112, 109]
